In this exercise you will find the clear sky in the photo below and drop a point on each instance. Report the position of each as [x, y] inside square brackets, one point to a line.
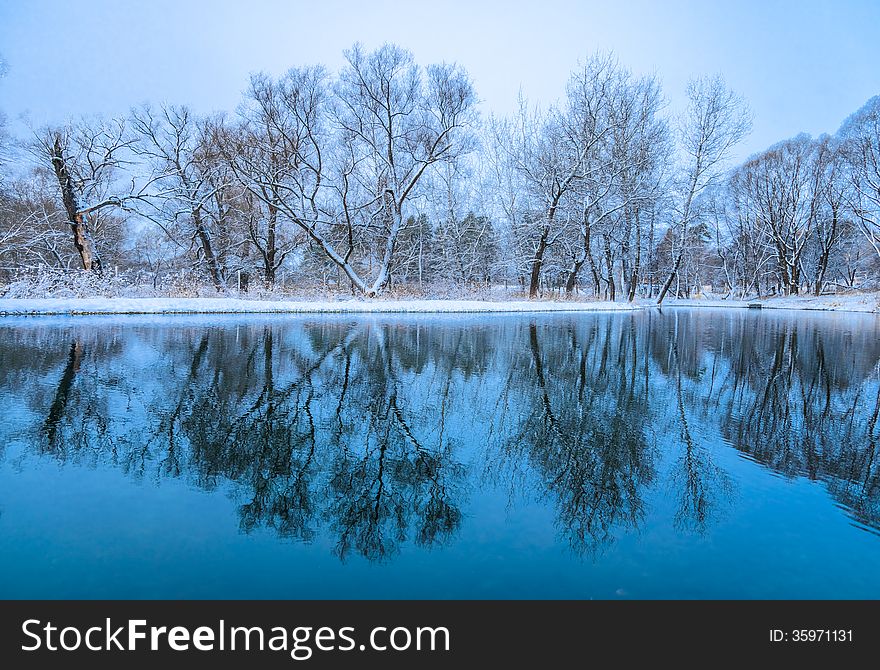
[802, 66]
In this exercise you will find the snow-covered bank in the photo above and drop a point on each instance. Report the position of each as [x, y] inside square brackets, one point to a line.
[869, 302]
[863, 302]
[68, 306]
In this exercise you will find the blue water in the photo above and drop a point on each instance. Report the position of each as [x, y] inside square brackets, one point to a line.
[682, 454]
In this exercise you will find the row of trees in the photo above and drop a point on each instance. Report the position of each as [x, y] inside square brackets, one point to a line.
[797, 215]
[383, 175]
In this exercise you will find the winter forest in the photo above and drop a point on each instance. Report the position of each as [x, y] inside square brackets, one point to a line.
[384, 179]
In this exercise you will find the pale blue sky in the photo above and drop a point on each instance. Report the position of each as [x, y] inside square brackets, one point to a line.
[802, 66]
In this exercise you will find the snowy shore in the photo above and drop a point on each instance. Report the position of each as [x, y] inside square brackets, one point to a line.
[46, 306]
[862, 302]
[72, 306]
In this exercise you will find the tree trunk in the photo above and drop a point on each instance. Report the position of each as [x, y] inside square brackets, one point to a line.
[671, 278]
[637, 262]
[85, 245]
[208, 250]
[826, 253]
[685, 225]
[537, 262]
[572, 276]
[82, 239]
[390, 242]
[823, 268]
[271, 249]
[794, 284]
[597, 282]
[609, 265]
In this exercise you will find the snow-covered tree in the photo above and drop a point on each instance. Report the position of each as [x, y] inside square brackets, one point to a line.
[355, 152]
[191, 194]
[550, 154]
[861, 137]
[715, 120]
[86, 159]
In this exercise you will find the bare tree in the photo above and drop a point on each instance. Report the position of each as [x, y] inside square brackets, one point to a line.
[861, 137]
[780, 193]
[187, 184]
[828, 213]
[552, 154]
[269, 152]
[624, 188]
[356, 151]
[372, 179]
[461, 245]
[31, 224]
[4, 133]
[397, 123]
[746, 255]
[715, 120]
[86, 159]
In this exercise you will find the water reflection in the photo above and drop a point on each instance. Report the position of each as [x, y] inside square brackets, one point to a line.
[376, 433]
[580, 425]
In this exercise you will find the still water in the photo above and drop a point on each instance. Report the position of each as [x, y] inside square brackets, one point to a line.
[682, 454]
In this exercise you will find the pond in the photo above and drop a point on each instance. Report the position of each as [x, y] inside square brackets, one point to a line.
[688, 453]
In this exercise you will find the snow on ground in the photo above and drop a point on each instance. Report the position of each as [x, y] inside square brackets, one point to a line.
[69, 306]
[28, 306]
[860, 302]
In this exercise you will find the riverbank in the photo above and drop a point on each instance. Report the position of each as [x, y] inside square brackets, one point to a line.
[859, 302]
[869, 302]
[71, 306]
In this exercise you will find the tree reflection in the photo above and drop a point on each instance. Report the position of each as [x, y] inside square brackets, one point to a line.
[703, 486]
[806, 404]
[373, 433]
[385, 477]
[62, 393]
[583, 431]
